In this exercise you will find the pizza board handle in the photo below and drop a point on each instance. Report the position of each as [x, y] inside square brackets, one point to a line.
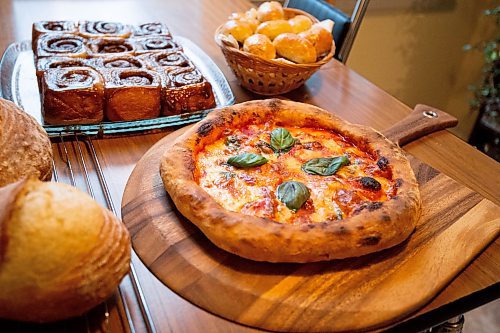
[421, 121]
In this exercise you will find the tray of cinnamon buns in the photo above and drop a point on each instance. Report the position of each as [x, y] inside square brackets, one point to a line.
[109, 78]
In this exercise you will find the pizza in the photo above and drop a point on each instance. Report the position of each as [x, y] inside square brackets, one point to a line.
[282, 181]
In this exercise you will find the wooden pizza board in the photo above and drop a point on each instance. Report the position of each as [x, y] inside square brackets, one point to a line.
[354, 294]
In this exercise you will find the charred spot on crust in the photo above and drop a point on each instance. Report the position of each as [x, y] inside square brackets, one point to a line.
[398, 182]
[371, 206]
[370, 240]
[386, 218]
[234, 113]
[395, 197]
[370, 183]
[274, 104]
[382, 163]
[205, 129]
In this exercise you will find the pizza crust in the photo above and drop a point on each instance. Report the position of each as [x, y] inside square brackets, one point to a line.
[375, 228]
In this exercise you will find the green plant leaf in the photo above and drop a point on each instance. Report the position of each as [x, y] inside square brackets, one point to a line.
[293, 194]
[281, 140]
[247, 160]
[325, 166]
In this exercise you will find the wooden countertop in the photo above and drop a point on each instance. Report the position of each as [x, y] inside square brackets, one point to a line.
[335, 87]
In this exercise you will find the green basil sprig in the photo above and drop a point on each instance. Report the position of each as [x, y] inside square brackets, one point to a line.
[281, 140]
[293, 194]
[325, 166]
[247, 160]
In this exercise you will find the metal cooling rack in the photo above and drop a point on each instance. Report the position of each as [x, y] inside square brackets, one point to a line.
[76, 162]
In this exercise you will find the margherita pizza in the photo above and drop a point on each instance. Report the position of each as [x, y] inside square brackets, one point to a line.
[282, 181]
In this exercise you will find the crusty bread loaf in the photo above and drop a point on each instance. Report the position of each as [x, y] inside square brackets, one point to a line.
[295, 48]
[25, 149]
[60, 252]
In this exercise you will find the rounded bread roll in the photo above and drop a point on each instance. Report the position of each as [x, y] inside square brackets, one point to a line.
[25, 148]
[295, 48]
[271, 10]
[272, 29]
[300, 23]
[320, 38]
[240, 30]
[61, 253]
[254, 23]
[260, 45]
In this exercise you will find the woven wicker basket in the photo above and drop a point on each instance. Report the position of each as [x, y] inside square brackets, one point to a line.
[269, 77]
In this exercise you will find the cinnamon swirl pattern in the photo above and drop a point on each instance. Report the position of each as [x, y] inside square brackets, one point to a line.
[61, 45]
[47, 27]
[108, 46]
[152, 28]
[93, 71]
[167, 59]
[156, 44]
[186, 90]
[132, 94]
[72, 95]
[99, 29]
[43, 64]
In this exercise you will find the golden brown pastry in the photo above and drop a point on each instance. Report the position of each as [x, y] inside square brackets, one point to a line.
[150, 29]
[271, 10]
[240, 30]
[51, 27]
[25, 148]
[186, 90]
[61, 252]
[320, 38]
[260, 45]
[100, 29]
[295, 48]
[300, 23]
[64, 45]
[44, 64]
[156, 44]
[132, 94]
[104, 47]
[274, 28]
[73, 95]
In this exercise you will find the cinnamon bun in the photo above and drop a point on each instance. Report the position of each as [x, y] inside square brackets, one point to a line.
[119, 61]
[45, 27]
[151, 28]
[132, 94]
[186, 90]
[166, 59]
[99, 29]
[110, 46]
[156, 44]
[61, 45]
[44, 64]
[73, 95]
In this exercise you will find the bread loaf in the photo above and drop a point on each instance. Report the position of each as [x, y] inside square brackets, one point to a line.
[60, 252]
[25, 148]
[295, 48]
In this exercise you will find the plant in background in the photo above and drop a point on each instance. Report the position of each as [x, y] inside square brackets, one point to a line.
[486, 99]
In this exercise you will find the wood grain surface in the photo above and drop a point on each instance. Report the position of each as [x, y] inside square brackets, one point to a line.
[354, 294]
[336, 87]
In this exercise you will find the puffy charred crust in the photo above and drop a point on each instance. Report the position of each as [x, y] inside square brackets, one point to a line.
[380, 226]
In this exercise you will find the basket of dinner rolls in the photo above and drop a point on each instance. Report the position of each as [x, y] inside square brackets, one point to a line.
[273, 50]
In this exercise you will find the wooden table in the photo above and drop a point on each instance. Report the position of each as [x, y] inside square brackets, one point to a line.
[335, 87]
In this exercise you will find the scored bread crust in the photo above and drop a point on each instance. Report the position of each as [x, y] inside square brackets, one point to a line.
[25, 148]
[373, 229]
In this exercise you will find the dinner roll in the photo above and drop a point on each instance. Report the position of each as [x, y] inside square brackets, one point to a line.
[274, 28]
[61, 253]
[25, 148]
[295, 48]
[320, 38]
[271, 10]
[260, 45]
[240, 30]
[300, 23]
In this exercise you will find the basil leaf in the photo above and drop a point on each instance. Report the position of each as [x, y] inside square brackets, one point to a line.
[281, 140]
[293, 194]
[325, 166]
[247, 160]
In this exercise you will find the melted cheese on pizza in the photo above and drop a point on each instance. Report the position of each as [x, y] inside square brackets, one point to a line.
[253, 190]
